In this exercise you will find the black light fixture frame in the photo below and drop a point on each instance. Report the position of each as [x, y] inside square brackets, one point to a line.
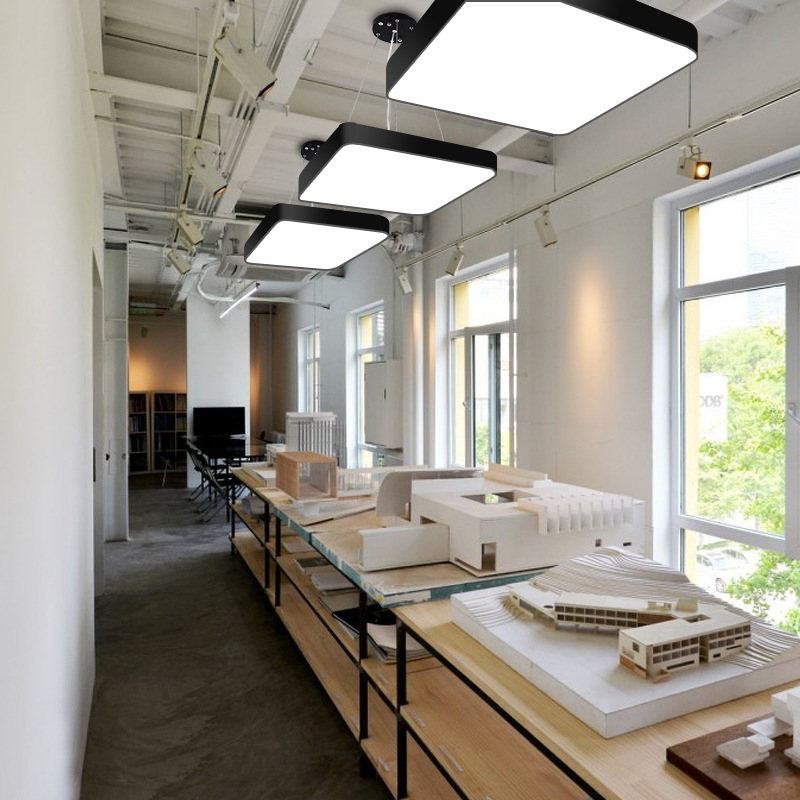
[632, 13]
[353, 133]
[311, 215]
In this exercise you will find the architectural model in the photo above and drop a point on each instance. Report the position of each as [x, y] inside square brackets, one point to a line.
[785, 721]
[507, 520]
[656, 638]
[578, 661]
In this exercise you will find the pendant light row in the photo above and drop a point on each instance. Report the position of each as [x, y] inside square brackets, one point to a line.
[575, 59]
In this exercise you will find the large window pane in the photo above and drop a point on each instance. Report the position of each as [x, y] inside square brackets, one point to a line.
[734, 370]
[481, 301]
[751, 232]
[762, 582]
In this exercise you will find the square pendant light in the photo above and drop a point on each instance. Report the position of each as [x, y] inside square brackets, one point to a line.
[539, 64]
[313, 238]
[366, 167]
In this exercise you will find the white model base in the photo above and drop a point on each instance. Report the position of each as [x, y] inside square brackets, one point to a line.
[580, 669]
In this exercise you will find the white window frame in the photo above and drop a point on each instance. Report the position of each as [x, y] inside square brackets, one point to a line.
[789, 277]
[509, 326]
[379, 351]
[308, 392]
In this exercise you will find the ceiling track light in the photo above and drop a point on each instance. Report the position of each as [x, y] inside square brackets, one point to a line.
[310, 238]
[692, 165]
[364, 167]
[456, 260]
[476, 58]
[202, 165]
[190, 230]
[179, 261]
[544, 227]
[240, 298]
[245, 64]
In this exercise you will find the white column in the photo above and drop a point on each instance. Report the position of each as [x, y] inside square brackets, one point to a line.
[115, 355]
[217, 359]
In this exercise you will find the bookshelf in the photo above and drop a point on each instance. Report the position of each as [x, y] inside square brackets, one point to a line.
[156, 431]
[169, 430]
[138, 432]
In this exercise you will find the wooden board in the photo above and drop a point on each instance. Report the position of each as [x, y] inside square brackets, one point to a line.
[773, 779]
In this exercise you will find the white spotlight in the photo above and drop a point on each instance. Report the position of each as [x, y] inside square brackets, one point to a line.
[189, 229]
[403, 280]
[242, 61]
[456, 260]
[202, 165]
[544, 227]
[179, 261]
[692, 165]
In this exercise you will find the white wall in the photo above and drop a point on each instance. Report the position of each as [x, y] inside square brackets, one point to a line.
[157, 359]
[51, 224]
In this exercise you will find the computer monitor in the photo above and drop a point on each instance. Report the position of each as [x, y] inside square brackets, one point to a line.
[218, 421]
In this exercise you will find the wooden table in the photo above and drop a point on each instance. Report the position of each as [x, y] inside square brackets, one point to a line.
[628, 767]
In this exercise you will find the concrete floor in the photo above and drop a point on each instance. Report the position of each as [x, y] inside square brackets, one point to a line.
[199, 694]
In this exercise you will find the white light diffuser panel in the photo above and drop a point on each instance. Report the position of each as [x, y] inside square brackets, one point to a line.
[539, 64]
[313, 238]
[365, 167]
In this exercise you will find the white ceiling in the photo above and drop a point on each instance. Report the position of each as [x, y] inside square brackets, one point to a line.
[149, 75]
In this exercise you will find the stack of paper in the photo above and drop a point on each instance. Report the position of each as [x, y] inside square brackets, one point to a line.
[383, 639]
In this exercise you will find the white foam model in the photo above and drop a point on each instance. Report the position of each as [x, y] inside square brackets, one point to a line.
[582, 672]
[508, 520]
[498, 527]
[786, 720]
[793, 707]
[746, 751]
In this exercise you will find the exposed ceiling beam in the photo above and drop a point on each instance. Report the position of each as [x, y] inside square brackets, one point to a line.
[307, 29]
[695, 10]
[154, 94]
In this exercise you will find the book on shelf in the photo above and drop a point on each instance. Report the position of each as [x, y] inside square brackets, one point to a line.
[329, 580]
[376, 615]
[295, 544]
[310, 564]
[339, 600]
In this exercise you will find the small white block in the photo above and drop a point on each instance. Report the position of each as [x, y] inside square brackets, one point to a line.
[746, 751]
[770, 727]
[794, 754]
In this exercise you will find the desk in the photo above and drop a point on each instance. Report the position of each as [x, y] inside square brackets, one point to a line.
[228, 448]
[461, 723]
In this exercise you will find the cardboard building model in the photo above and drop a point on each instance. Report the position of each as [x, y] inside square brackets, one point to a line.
[656, 638]
[508, 520]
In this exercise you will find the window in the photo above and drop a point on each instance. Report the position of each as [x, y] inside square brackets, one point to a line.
[737, 443]
[482, 372]
[309, 389]
[369, 347]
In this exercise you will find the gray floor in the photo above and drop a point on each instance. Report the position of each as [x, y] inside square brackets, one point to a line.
[199, 695]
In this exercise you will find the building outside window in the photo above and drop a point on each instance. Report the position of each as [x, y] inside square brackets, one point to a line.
[308, 372]
[736, 447]
[369, 347]
[482, 387]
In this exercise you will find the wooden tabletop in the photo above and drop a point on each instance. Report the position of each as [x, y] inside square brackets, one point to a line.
[628, 767]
